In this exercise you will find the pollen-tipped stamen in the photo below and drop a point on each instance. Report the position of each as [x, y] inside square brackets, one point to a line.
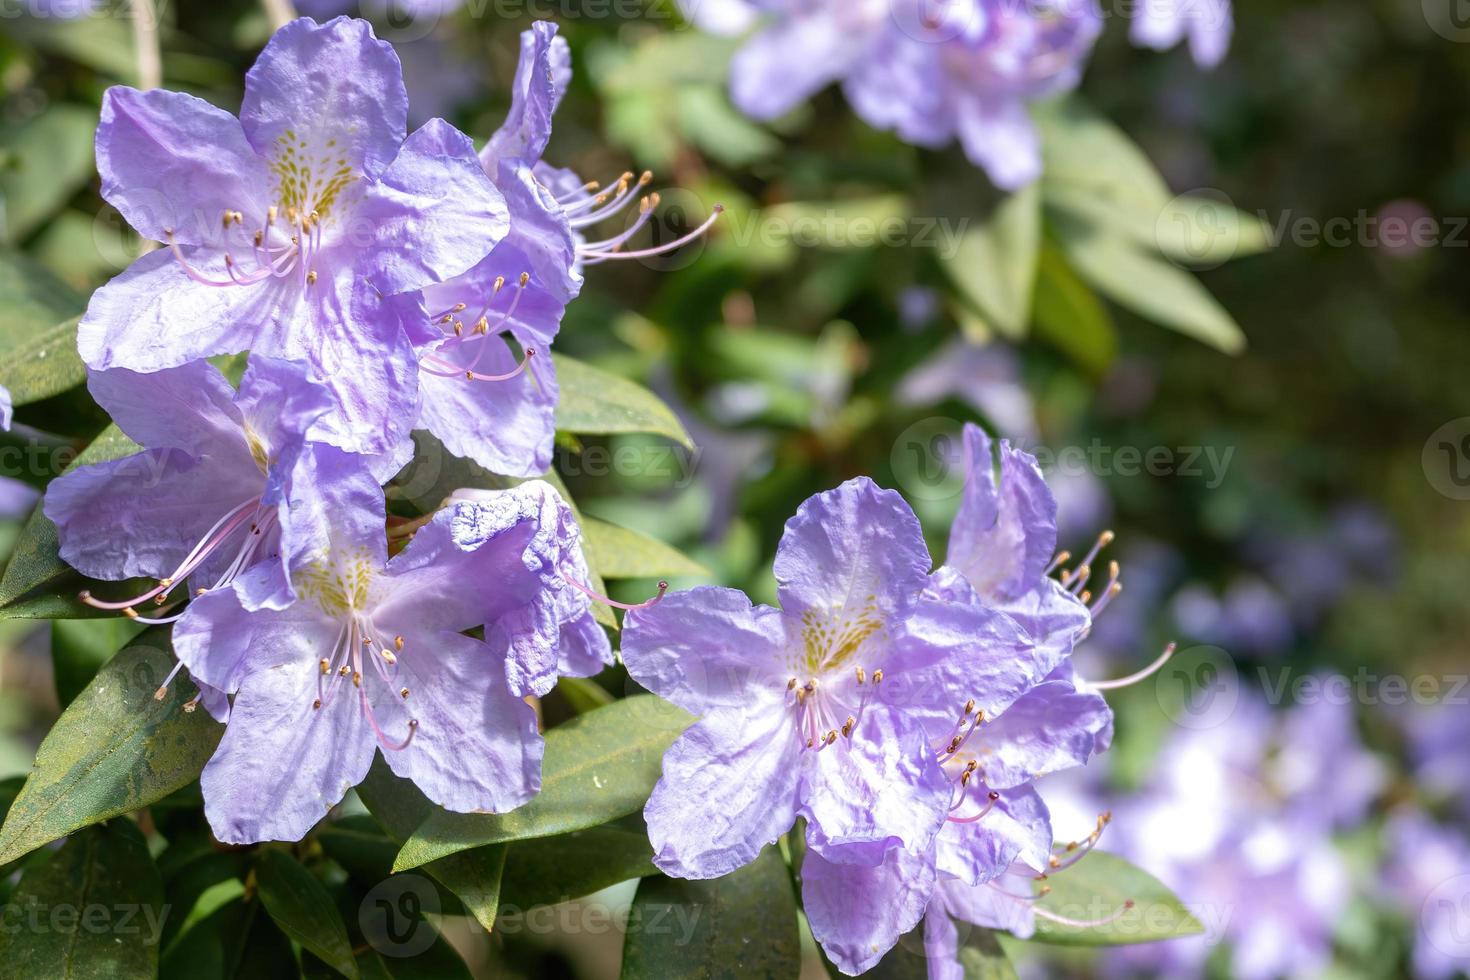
[1135, 678]
[663, 587]
[594, 257]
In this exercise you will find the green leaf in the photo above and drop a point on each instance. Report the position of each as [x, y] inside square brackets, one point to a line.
[37, 584]
[619, 552]
[1149, 286]
[594, 402]
[236, 941]
[1097, 887]
[741, 925]
[302, 907]
[43, 162]
[995, 265]
[1069, 315]
[47, 364]
[115, 749]
[557, 869]
[982, 958]
[399, 807]
[101, 900]
[598, 767]
[79, 648]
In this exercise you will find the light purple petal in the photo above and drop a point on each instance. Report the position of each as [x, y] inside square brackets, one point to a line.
[706, 649]
[141, 515]
[277, 404]
[1016, 828]
[998, 135]
[858, 912]
[222, 643]
[476, 746]
[1005, 532]
[190, 407]
[585, 649]
[942, 944]
[987, 905]
[880, 787]
[173, 163]
[541, 77]
[793, 59]
[852, 558]
[1053, 727]
[326, 97]
[508, 427]
[1053, 618]
[282, 764]
[432, 214]
[904, 87]
[705, 822]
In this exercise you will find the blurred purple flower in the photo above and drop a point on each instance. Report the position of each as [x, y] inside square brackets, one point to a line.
[1438, 736]
[985, 377]
[1250, 619]
[932, 72]
[1207, 24]
[1423, 856]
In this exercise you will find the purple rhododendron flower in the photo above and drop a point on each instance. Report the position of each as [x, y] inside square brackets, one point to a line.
[226, 483]
[302, 230]
[794, 718]
[903, 722]
[1207, 24]
[373, 655]
[931, 72]
[479, 398]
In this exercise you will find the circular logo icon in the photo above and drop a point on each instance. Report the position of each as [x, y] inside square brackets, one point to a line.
[937, 21]
[1198, 688]
[664, 231]
[404, 21]
[1450, 19]
[928, 459]
[1444, 919]
[1199, 230]
[1446, 459]
[392, 915]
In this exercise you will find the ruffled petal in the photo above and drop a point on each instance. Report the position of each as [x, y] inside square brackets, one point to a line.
[1005, 532]
[1053, 727]
[433, 212]
[880, 787]
[706, 649]
[173, 164]
[728, 789]
[852, 561]
[859, 912]
[476, 746]
[541, 78]
[222, 643]
[1016, 828]
[282, 765]
[190, 407]
[324, 97]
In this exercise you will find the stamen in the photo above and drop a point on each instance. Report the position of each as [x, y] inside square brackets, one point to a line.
[594, 257]
[1141, 675]
[861, 675]
[162, 691]
[598, 597]
[990, 801]
[1061, 559]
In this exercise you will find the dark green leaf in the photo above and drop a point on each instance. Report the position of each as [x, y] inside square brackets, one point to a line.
[618, 552]
[44, 365]
[598, 767]
[79, 648]
[399, 807]
[38, 331]
[594, 402]
[1097, 887]
[236, 941]
[740, 926]
[43, 162]
[1069, 315]
[302, 907]
[37, 584]
[980, 957]
[94, 910]
[115, 749]
[557, 869]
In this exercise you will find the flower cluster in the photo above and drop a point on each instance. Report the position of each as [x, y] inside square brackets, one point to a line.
[380, 281]
[902, 713]
[938, 70]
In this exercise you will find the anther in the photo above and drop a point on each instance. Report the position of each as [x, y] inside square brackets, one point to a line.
[344, 671]
[861, 675]
[326, 666]
[878, 676]
[404, 694]
[388, 656]
[357, 678]
[398, 643]
[316, 704]
[847, 726]
[130, 612]
[969, 707]
[791, 684]
[311, 278]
